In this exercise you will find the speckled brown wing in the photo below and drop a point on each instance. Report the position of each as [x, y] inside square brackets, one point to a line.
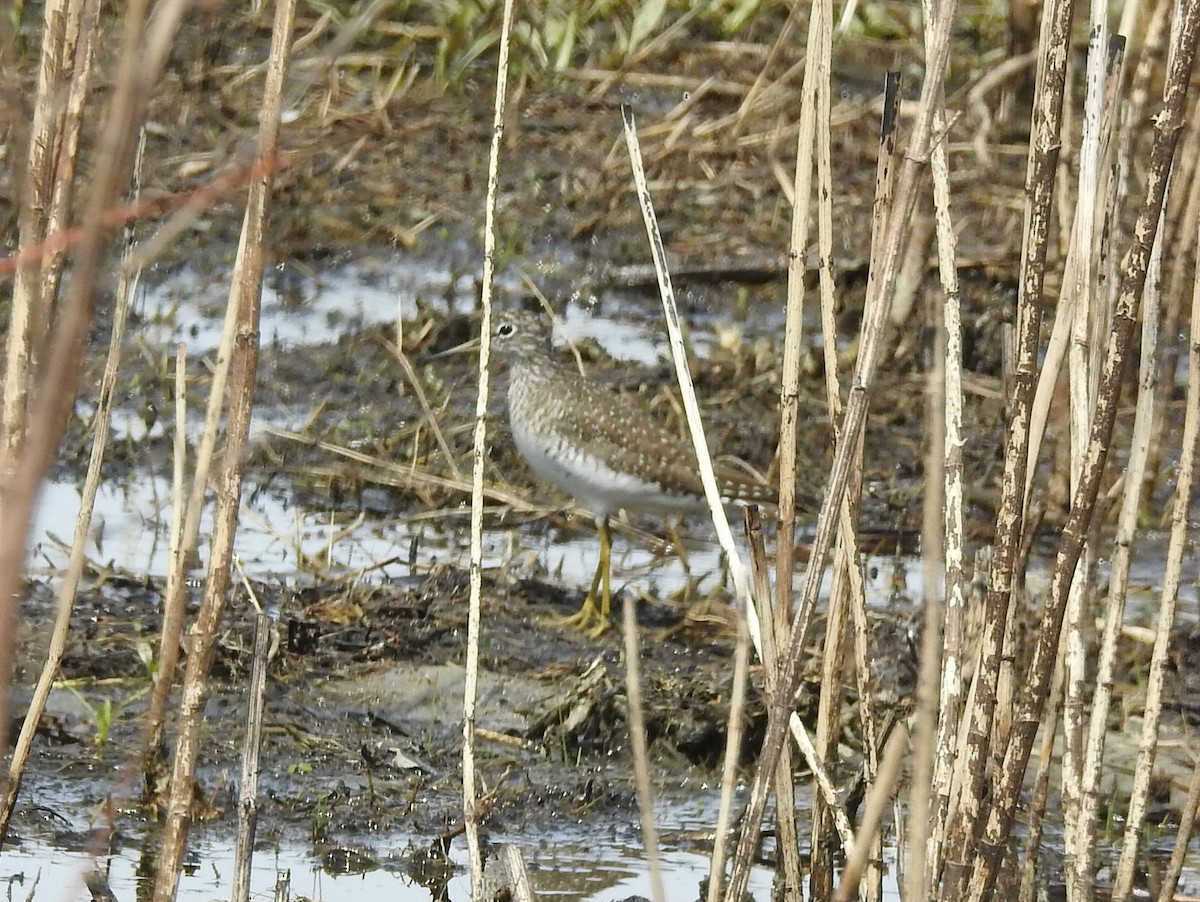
[629, 437]
[739, 486]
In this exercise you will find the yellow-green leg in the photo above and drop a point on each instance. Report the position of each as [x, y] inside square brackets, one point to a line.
[588, 619]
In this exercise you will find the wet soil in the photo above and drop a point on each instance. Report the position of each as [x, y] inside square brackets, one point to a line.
[364, 702]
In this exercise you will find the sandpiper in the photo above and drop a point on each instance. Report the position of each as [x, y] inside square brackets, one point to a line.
[597, 445]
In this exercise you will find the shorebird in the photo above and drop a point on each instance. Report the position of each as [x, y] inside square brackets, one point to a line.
[598, 446]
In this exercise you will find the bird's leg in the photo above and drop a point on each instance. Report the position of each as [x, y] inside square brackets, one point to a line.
[592, 621]
[604, 571]
[679, 547]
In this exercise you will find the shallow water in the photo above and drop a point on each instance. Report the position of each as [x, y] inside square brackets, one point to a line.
[568, 863]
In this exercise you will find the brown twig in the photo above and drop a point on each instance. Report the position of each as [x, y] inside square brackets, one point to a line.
[245, 296]
[67, 591]
[123, 214]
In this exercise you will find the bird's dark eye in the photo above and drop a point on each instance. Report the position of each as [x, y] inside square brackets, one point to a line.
[505, 329]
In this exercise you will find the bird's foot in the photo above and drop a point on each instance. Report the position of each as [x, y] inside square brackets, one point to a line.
[588, 620]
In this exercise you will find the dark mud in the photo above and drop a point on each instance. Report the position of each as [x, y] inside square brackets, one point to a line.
[365, 698]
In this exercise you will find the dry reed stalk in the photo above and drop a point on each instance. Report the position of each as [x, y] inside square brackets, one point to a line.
[910, 281]
[27, 323]
[1183, 33]
[846, 556]
[1065, 164]
[641, 755]
[180, 451]
[407, 476]
[737, 570]
[1040, 178]
[1180, 224]
[1187, 823]
[846, 575]
[82, 19]
[414, 383]
[26, 327]
[828, 728]
[245, 297]
[178, 468]
[787, 833]
[823, 783]
[191, 510]
[478, 451]
[1103, 77]
[518, 876]
[58, 375]
[813, 134]
[1006, 681]
[1118, 583]
[735, 731]
[816, 84]
[847, 591]
[1048, 380]
[865, 683]
[959, 771]
[945, 609]
[1036, 820]
[174, 602]
[102, 421]
[247, 811]
[855, 416]
[1181, 268]
[79, 48]
[1031, 700]
[1076, 270]
[1138, 804]
[866, 844]
[98, 887]
[687, 390]
[1140, 92]
[924, 815]
[821, 881]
